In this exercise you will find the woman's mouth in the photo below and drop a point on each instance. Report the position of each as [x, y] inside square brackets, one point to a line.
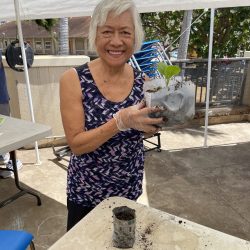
[115, 52]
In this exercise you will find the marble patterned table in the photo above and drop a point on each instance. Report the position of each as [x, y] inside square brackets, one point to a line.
[14, 134]
[155, 230]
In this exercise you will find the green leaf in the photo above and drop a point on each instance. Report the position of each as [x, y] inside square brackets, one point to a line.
[161, 68]
[171, 70]
[168, 71]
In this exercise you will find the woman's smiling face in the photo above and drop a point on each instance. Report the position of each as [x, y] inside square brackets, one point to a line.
[115, 39]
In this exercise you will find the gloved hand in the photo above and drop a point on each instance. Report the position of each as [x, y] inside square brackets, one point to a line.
[136, 117]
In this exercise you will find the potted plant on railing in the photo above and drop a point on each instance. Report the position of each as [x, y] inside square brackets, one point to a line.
[172, 94]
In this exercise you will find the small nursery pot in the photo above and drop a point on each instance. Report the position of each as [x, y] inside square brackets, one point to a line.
[124, 227]
[177, 100]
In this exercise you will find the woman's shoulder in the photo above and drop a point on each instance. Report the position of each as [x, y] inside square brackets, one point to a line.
[81, 68]
[70, 75]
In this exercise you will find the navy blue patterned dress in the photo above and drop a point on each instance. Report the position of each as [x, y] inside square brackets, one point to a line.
[116, 167]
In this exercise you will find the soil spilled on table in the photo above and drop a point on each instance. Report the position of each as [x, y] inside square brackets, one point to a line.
[144, 237]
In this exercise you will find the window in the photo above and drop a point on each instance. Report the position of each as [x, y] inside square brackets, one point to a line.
[38, 45]
[79, 44]
[47, 45]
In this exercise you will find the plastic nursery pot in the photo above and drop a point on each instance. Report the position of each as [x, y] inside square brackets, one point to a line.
[177, 100]
[124, 222]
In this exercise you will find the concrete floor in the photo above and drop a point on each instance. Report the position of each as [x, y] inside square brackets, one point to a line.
[210, 186]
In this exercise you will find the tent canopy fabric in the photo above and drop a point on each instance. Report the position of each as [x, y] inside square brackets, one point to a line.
[37, 9]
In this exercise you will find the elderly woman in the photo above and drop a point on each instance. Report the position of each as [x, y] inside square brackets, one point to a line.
[103, 114]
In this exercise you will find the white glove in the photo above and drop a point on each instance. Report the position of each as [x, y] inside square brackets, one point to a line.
[136, 117]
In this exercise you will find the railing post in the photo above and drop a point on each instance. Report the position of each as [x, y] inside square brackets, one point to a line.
[246, 90]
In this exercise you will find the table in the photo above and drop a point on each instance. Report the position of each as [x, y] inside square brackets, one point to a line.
[14, 134]
[155, 230]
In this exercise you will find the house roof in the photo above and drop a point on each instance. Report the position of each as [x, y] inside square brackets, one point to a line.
[78, 27]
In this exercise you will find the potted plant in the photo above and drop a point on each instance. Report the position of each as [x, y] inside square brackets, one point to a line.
[172, 94]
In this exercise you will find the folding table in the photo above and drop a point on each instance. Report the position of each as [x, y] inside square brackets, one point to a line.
[155, 230]
[14, 134]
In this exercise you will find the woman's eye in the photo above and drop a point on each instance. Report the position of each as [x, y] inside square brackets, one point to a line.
[106, 32]
[126, 33]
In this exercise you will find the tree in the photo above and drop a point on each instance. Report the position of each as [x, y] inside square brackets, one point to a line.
[63, 36]
[164, 26]
[48, 24]
[185, 34]
[231, 30]
[184, 39]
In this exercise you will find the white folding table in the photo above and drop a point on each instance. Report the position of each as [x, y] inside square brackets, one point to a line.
[14, 134]
[155, 230]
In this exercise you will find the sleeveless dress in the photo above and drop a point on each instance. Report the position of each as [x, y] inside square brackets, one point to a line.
[116, 167]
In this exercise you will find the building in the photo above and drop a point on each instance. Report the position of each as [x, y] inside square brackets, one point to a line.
[46, 43]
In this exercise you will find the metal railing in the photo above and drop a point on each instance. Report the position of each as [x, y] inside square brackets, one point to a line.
[227, 79]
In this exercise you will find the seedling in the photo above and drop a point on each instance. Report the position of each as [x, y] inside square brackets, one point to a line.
[168, 71]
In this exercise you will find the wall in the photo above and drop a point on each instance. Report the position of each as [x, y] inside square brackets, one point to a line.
[44, 82]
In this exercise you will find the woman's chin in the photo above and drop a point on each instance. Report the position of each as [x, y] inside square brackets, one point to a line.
[116, 62]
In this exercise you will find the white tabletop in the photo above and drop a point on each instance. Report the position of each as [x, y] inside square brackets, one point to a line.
[155, 230]
[16, 133]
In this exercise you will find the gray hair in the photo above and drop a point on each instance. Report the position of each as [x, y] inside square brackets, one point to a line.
[100, 15]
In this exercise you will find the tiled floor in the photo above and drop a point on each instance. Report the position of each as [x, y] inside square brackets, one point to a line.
[210, 186]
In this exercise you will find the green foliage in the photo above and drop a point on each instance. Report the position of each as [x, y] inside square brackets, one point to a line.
[164, 26]
[231, 30]
[47, 24]
[168, 71]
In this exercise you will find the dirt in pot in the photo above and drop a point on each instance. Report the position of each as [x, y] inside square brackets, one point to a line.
[125, 216]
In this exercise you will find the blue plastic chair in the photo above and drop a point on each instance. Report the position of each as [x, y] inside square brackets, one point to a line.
[148, 57]
[16, 240]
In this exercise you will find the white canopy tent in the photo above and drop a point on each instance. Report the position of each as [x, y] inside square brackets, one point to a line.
[18, 10]
[38, 9]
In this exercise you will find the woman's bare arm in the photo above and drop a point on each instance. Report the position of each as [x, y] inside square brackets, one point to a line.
[79, 140]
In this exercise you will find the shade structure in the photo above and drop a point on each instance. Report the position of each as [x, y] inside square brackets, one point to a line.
[38, 9]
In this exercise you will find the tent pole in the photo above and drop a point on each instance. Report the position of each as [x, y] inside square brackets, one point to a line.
[20, 36]
[209, 74]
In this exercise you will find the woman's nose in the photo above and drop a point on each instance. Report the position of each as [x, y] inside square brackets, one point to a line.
[116, 39]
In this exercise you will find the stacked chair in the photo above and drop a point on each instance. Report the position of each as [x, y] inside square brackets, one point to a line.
[148, 57]
[146, 60]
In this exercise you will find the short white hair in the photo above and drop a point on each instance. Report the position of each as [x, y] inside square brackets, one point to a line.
[100, 15]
